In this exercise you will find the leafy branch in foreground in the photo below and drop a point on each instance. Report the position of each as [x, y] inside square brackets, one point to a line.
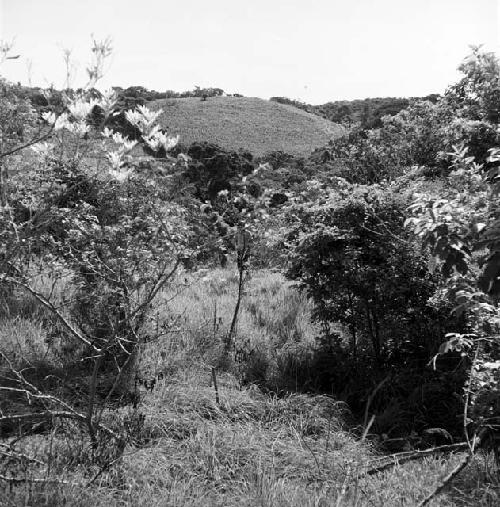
[463, 235]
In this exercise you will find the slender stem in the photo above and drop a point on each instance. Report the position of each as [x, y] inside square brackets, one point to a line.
[232, 330]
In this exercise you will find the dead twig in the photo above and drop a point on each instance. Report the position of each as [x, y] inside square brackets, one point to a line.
[12, 453]
[367, 424]
[47, 304]
[403, 457]
[17, 418]
[18, 480]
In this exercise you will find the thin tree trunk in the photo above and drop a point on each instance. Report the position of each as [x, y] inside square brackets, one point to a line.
[354, 338]
[3, 184]
[373, 336]
[232, 329]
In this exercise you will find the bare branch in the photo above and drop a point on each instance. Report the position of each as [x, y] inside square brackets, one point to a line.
[47, 304]
[162, 280]
[50, 414]
[12, 453]
[403, 457]
[19, 480]
[447, 480]
[34, 140]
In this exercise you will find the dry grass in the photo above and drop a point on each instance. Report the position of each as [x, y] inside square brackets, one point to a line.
[251, 448]
[253, 124]
[24, 341]
[274, 319]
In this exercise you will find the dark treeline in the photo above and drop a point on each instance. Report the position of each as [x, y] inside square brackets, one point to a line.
[365, 112]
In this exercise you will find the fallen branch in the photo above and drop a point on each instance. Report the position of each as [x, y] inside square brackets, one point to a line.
[12, 453]
[403, 457]
[58, 414]
[18, 480]
[476, 442]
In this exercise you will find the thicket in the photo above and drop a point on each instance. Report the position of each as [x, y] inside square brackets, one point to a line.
[385, 298]
[90, 235]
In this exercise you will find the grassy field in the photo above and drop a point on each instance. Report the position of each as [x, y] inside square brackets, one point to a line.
[248, 448]
[254, 124]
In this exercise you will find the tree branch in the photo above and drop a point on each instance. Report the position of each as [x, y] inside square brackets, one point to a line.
[47, 304]
[28, 144]
[403, 457]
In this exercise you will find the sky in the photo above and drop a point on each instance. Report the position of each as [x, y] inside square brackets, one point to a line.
[314, 51]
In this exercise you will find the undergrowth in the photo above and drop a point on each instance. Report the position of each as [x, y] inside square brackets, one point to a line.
[251, 449]
[256, 440]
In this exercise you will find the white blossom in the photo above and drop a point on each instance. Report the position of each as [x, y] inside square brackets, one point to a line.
[42, 149]
[142, 117]
[128, 144]
[107, 132]
[61, 122]
[118, 138]
[80, 108]
[171, 142]
[149, 117]
[133, 117]
[116, 159]
[49, 117]
[120, 175]
[157, 139]
[80, 128]
[107, 101]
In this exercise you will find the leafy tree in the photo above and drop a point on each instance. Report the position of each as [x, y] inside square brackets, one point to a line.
[477, 94]
[355, 260]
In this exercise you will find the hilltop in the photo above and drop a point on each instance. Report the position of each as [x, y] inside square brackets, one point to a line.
[253, 124]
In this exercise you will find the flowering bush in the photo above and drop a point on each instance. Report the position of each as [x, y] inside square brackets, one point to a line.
[95, 217]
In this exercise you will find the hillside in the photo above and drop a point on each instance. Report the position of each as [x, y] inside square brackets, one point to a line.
[253, 124]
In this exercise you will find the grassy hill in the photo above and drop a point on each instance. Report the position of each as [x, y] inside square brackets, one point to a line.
[257, 125]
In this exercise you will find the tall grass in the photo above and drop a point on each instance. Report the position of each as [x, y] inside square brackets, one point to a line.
[248, 448]
[274, 320]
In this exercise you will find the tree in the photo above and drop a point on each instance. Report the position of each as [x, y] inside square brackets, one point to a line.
[355, 260]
